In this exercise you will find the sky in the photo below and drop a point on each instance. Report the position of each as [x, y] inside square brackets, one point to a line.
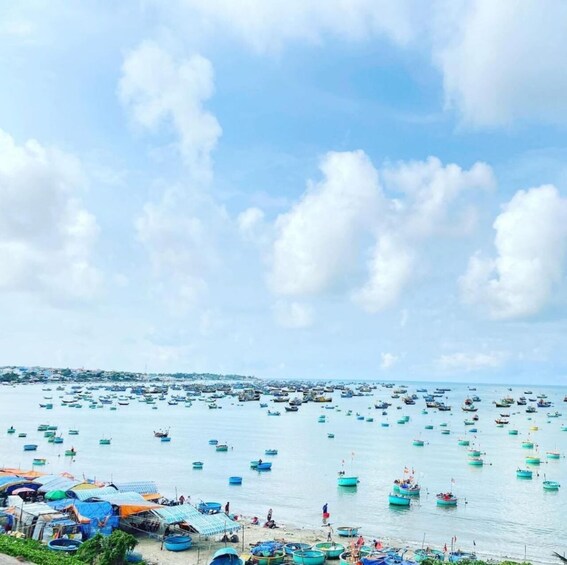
[285, 189]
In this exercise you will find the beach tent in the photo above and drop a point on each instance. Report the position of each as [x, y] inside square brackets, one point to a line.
[55, 495]
[204, 524]
[96, 517]
[148, 489]
[85, 494]
[128, 503]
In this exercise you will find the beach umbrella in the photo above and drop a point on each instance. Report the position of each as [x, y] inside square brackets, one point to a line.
[55, 495]
[22, 490]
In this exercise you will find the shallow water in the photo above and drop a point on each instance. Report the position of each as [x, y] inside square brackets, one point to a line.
[496, 511]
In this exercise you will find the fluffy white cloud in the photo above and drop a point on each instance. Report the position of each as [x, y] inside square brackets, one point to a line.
[157, 88]
[251, 224]
[316, 240]
[531, 241]
[46, 235]
[267, 26]
[472, 361]
[430, 188]
[503, 61]
[293, 315]
[387, 360]
[180, 233]
[390, 270]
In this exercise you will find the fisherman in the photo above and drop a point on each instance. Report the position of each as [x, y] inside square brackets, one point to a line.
[325, 513]
[226, 508]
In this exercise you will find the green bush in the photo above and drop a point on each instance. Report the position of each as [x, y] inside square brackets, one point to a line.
[35, 552]
[110, 550]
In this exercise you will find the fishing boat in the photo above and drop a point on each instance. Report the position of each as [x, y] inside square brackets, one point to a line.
[409, 489]
[30, 447]
[291, 409]
[551, 485]
[271, 452]
[104, 441]
[39, 461]
[161, 433]
[42, 427]
[23, 434]
[347, 531]
[309, 557]
[399, 499]
[331, 550]
[221, 447]
[213, 441]
[73, 432]
[524, 474]
[528, 444]
[226, 556]
[344, 481]
[235, 480]
[476, 462]
[457, 556]
[70, 452]
[446, 499]
[533, 460]
[274, 557]
[420, 555]
[474, 453]
[11, 430]
[418, 442]
[197, 464]
[165, 439]
[512, 432]
[446, 432]
[289, 548]
[264, 466]
[273, 413]
[464, 442]
[429, 427]
[330, 436]
[553, 455]
[177, 543]
[209, 507]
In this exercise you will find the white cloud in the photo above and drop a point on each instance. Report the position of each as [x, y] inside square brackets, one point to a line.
[293, 315]
[531, 241]
[431, 188]
[157, 88]
[503, 61]
[46, 235]
[268, 26]
[180, 233]
[387, 361]
[250, 223]
[316, 240]
[472, 361]
[390, 270]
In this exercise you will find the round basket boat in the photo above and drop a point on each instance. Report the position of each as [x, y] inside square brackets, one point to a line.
[235, 480]
[347, 531]
[177, 543]
[332, 550]
[308, 557]
[289, 548]
[65, 545]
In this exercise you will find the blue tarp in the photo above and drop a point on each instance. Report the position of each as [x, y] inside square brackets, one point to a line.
[100, 515]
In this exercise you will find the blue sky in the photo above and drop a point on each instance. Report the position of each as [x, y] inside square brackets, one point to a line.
[286, 189]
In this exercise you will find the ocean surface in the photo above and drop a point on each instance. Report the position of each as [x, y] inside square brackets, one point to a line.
[497, 513]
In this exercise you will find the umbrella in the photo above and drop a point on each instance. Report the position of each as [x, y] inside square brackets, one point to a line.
[22, 490]
[55, 495]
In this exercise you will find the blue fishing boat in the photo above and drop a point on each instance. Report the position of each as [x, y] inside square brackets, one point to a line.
[551, 485]
[344, 481]
[330, 436]
[289, 548]
[30, 447]
[446, 499]
[271, 452]
[209, 507]
[226, 556]
[347, 531]
[64, 545]
[222, 447]
[235, 480]
[429, 427]
[274, 413]
[264, 466]
[165, 439]
[524, 474]
[332, 550]
[58, 439]
[177, 543]
[385, 424]
[409, 489]
[254, 464]
[308, 557]
[399, 499]
[197, 464]
[457, 556]
[213, 441]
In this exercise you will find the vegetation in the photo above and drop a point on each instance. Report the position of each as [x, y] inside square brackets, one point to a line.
[35, 552]
[107, 550]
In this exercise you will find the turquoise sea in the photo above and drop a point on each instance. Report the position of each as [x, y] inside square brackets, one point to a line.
[497, 513]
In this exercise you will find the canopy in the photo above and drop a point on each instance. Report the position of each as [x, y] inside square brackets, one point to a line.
[22, 490]
[55, 495]
[128, 503]
[205, 524]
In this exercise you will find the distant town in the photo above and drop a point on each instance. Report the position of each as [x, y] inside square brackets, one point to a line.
[30, 375]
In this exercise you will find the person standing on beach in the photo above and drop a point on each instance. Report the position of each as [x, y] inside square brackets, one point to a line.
[269, 517]
[325, 513]
[227, 508]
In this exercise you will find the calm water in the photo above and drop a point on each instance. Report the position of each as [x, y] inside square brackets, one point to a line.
[501, 514]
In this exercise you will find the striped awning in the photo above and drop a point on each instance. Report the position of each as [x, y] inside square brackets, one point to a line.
[205, 524]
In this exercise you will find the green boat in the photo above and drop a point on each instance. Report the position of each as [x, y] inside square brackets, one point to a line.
[533, 460]
[344, 481]
[528, 444]
[11, 430]
[476, 462]
[429, 427]
[104, 441]
[70, 453]
[331, 549]
[73, 432]
[512, 432]
[474, 453]
[23, 435]
[524, 474]
[551, 485]
[42, 427]
[276, 559]
[39, 461]
[308, 557]
[445, 432]
[58, 439]
[553, 455]
[418, 442]
[464, 442]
